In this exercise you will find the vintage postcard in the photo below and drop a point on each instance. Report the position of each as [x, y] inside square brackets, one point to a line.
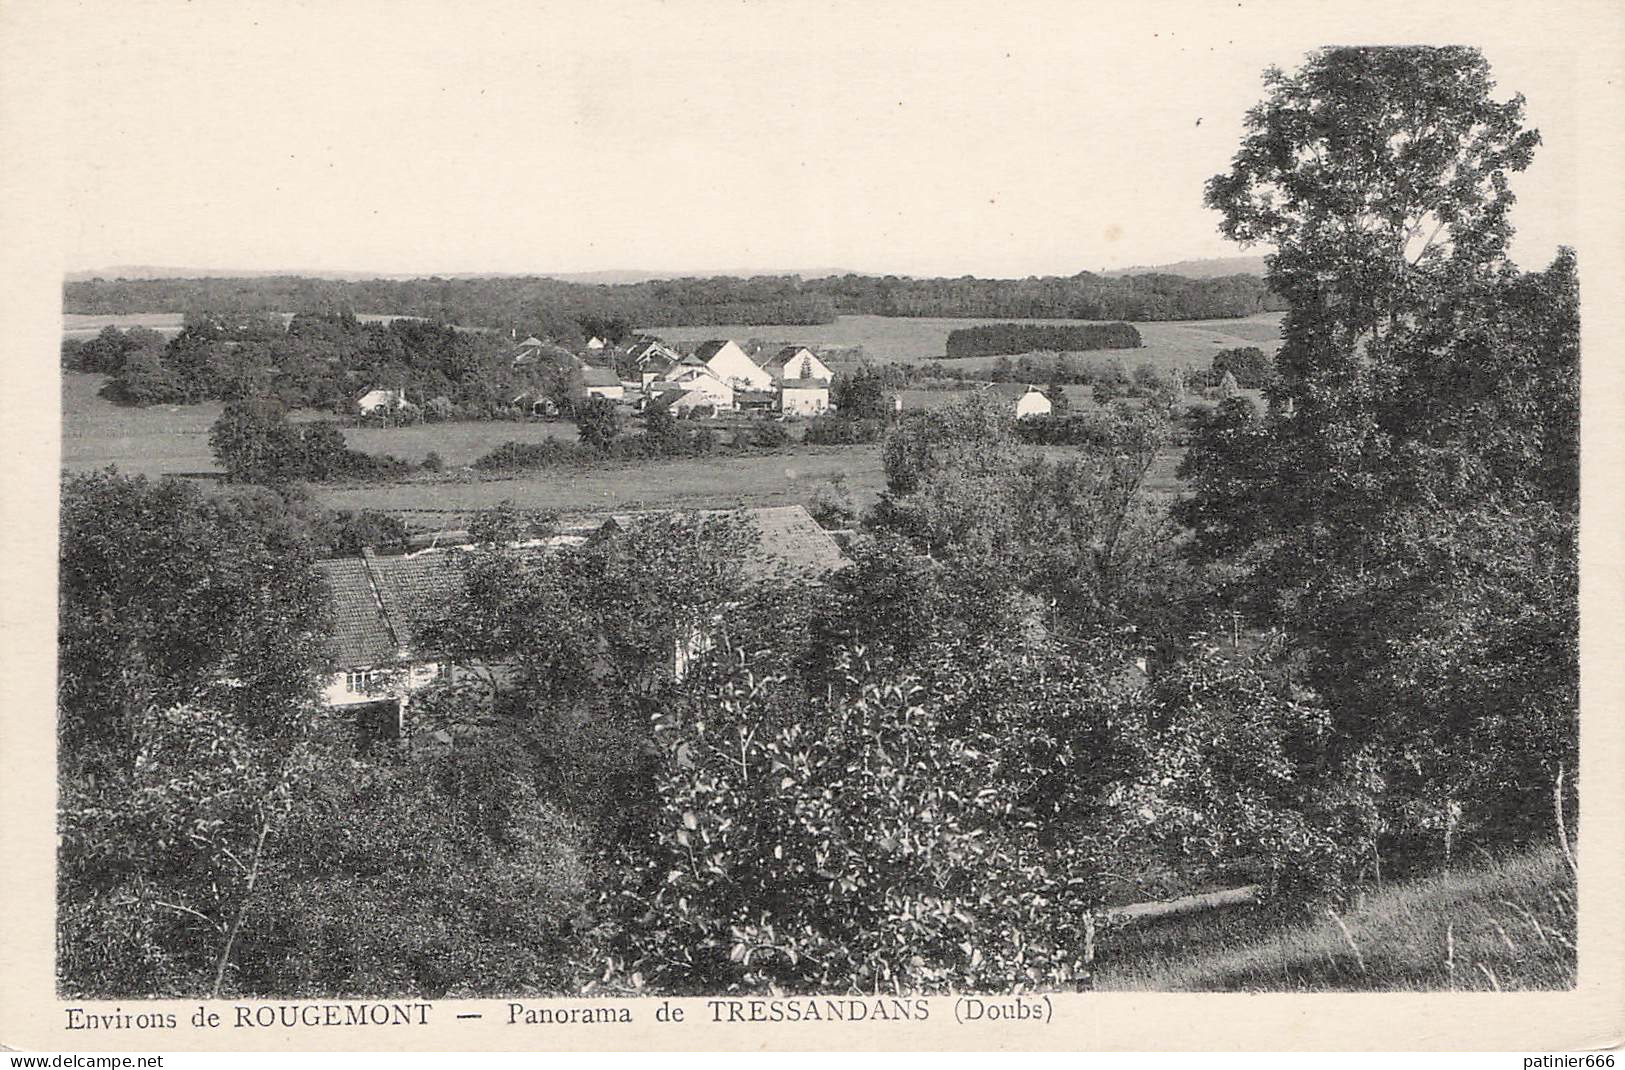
[845, 526]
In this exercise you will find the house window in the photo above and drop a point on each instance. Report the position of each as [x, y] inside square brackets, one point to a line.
[363, 681]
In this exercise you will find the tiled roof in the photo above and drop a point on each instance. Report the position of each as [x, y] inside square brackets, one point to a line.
[378, 603]
[595, 376]
[361, 635]
[416, 587]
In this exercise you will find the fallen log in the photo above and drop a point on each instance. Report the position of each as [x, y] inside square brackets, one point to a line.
[1186, 904]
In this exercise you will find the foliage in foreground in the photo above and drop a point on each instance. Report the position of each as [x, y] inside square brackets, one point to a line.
[905, 834]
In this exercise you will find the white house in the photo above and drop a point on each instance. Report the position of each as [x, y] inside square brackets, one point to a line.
[596, 342]
[1021, 398]
[602, 383]
[804, 397]
[733, 365]
[797, 362]
[707, 383]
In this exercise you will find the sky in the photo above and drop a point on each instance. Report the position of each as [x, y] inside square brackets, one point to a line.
[996, 139]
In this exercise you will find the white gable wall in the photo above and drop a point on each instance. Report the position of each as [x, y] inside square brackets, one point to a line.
[733, 365]
[1032, 403]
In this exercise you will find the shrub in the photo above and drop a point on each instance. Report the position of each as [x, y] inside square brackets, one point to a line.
[769, 436]
[433, 462]
[832, 505]
[1252, 367]
[598, 421]
[838, 431]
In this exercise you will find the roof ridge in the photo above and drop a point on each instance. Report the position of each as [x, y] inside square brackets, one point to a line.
[373, 584]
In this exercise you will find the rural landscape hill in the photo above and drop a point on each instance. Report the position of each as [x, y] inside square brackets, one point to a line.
[1215, 267]
[1210, 268]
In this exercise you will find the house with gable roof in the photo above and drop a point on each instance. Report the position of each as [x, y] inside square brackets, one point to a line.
[377, 657]
[374, 656]
[797, 362]
[602, 383]
[1022, 399]
[733, 365]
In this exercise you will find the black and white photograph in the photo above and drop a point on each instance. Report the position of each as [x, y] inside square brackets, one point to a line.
[825, 515]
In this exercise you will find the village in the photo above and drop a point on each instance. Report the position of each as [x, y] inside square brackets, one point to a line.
[706, 380]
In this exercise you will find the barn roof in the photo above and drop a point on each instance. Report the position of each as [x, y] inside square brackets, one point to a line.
[596, 376]
[789, 542]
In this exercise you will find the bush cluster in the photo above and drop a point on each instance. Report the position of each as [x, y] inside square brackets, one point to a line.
[836, 431]
[995, 339]
[653, 444]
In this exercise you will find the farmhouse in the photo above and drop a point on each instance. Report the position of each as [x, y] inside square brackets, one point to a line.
[717, 393]
[797, 362]
[602, 383]
[375, 659]
[652, 350]
[1022, 399]
[652, 360]
[679, 401]
[733, 365]
[804, 397]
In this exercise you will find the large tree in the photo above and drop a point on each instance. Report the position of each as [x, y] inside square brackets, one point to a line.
[1417, 465]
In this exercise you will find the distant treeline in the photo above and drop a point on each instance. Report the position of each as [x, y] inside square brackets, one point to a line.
[563, 310]
[1002, 339]
[315, 361]
[1084, 296]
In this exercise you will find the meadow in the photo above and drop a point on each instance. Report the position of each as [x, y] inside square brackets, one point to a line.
[174, 440]
[1168, 345]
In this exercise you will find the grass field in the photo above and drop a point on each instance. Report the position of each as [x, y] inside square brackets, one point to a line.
[174, 440]
[1502, 926]
[1168, 345]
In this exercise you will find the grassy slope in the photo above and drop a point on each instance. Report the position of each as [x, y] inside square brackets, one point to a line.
[1512, 925]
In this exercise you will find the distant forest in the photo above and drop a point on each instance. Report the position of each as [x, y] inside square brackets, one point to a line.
[558, 309]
